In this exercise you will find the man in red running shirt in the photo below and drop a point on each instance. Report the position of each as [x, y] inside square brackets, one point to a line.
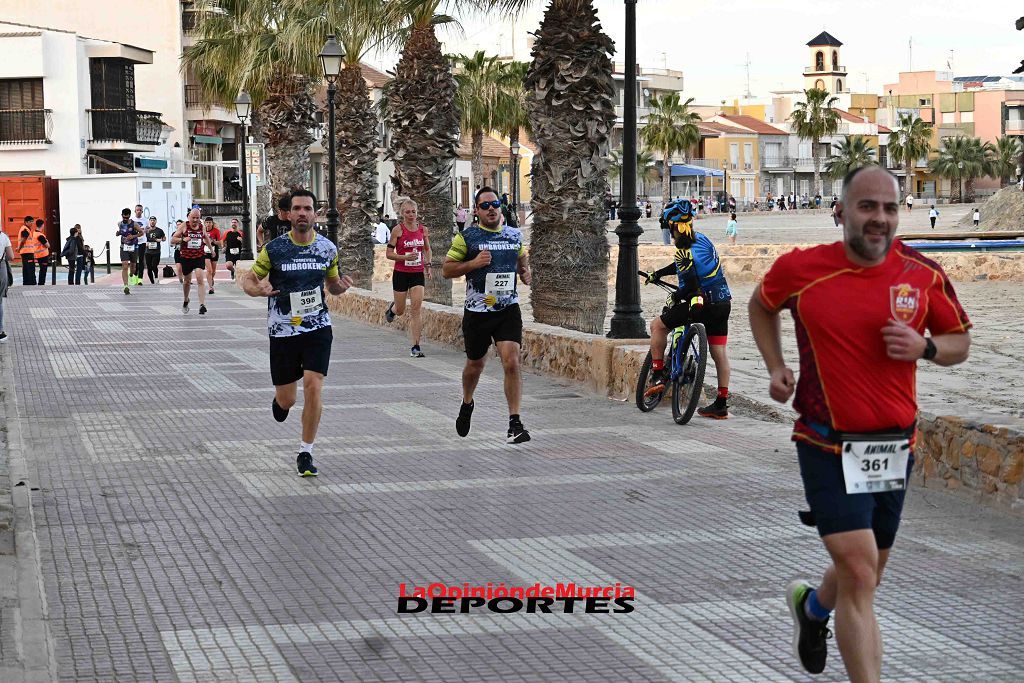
[861, 307]
[214, 253]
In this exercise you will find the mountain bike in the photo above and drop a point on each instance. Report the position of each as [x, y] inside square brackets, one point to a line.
[686, 360]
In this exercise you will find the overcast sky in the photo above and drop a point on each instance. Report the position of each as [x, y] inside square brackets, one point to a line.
[709, 41]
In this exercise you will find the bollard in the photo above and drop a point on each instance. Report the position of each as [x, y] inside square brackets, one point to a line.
[53, 271]
[108, 258]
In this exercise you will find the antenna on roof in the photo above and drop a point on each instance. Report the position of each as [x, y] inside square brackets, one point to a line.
[747, 94]
[949, 62]
[910, 47]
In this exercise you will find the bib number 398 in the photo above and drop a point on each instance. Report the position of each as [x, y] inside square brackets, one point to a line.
[875, 466]
[306, 302]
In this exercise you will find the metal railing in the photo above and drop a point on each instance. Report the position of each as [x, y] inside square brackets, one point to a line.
[127, 125]
[1015, 125]
[19, 126]
[810, 71]
[193, 96]
[190, 22]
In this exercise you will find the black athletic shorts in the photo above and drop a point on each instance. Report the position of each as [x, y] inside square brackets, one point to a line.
[129, 256]
[403, 282]
[291, 356]
[835, 510]
[190, 264]
[478, 329]
[714, 316]
[177, 256]
[215, 255]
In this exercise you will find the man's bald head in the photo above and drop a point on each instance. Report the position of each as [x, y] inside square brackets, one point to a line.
[194, 217]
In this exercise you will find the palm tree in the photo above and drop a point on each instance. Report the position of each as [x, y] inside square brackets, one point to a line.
[671, 128]
[570, 90]
[910, 141]
[813, 119]
[1008, 150]
[512, 116]
[965, 159]
[646, 168]
[852, 153]
[478, 80]
[361, 26]
[240, 47]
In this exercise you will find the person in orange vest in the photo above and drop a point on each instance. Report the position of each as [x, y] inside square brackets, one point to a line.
[42, 251]
[27, 251]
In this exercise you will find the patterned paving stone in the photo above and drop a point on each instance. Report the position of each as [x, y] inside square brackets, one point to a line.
[177, 544]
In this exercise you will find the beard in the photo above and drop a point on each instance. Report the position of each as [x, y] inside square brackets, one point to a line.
[861, 248]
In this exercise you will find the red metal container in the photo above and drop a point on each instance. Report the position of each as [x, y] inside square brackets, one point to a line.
[34, 196]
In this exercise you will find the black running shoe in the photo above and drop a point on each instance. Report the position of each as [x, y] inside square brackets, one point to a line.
[126, 290]
[517, 433]
[305, 465]
[719, 410]
[465, 415]
[416, 353]
[211, 291]
[280, 414]
[389, 314]
[809, 636]
[202, 309]
[184, 306]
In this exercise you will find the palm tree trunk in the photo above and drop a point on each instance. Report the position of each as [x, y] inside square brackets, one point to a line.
[424, 124]
[570, 89]
[478, 158]
[666, 180]
[356, 138]
[969, 189]
[817, 166]
[287, 121]
[513, 141]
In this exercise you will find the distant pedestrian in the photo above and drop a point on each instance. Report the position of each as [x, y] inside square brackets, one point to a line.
[647, 210]
[666, 231]
[977, 217]
[43, 252]
[7, 255]
[27, 247]
[730, 229]
[141, 248]
[933, 214]
[88, 263]
[910, 202]
[381, 232]
[461, 215]
[73, 251]
[817, 200]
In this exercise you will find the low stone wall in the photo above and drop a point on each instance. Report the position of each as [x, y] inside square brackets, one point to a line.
[980, 456]
[749, 262]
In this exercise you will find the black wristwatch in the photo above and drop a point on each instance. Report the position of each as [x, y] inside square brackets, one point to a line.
[929, 349]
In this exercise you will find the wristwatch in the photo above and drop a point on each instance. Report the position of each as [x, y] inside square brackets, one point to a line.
[929, 349]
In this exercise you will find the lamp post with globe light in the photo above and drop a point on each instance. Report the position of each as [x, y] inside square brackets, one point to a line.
[243, 107]
[331, 57]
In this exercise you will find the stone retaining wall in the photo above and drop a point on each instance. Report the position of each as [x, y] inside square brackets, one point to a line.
[749, 262]
[973, 455]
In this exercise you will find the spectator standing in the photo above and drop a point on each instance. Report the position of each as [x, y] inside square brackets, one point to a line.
[933, 215]
[7, 255]
[460, 220]
[88, 263]
[72, 250]
[730, 229]
[817, 200]
[381, 232]
[910, 201]
[977, 216]
[42, 251]
[647, 210]
[27, 246]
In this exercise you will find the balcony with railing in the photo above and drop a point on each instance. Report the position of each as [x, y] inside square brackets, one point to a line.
[1015, 126]
[810, 71]
[199, 108]
[25, 127]
[130, 126]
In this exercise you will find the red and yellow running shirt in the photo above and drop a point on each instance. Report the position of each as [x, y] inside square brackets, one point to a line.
[847, 381]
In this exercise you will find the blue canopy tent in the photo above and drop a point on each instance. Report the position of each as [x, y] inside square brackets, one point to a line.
[700, 173]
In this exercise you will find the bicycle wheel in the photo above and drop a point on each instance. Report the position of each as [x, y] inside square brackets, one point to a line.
[646, 403]
[687, 387]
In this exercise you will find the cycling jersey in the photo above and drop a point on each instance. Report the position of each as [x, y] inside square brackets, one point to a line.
[700, 269]
[496, 280]
[297, 271]
[847, 380]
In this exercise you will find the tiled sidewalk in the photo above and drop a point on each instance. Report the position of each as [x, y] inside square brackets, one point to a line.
[177, 543]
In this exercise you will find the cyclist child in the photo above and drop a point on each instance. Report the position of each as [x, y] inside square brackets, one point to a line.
[703, 296]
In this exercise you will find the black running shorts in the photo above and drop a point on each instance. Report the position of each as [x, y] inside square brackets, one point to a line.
[129, 256]
[714, 316]
[479, 329]
[403, 282]
[177, 257]
[190, 264]
[215, 255]
[291, 356]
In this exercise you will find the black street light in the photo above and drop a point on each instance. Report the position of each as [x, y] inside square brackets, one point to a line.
[514, 179]
[627, 321]
[960, 180]
[243, 107]
[331, 59]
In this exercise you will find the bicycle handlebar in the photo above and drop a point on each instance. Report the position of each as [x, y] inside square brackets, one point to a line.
[661, 283]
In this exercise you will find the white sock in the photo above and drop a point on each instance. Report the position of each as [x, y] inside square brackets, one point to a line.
[305, 447]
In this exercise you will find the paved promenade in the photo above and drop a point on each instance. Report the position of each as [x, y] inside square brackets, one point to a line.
[177, 543]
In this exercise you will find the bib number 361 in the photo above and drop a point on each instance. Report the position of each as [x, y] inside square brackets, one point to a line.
[875, 466]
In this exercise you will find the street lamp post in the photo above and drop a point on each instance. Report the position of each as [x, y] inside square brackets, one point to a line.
[514, 178]
[243, 106]
[627, 322]
[331, 57]
[960, 180]
[725, 192]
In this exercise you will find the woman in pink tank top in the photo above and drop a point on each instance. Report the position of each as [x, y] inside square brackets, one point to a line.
[409, 248]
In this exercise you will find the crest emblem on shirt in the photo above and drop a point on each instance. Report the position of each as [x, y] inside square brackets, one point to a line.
[904, 301]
